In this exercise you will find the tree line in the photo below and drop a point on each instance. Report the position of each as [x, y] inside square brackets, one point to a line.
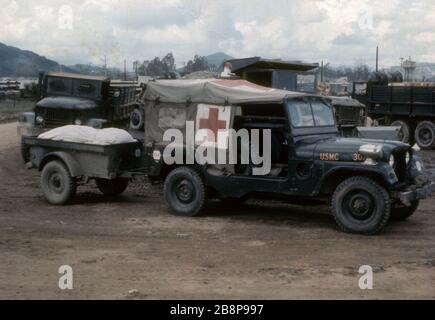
[166, 66]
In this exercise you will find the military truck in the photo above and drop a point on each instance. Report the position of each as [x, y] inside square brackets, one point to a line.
[67, 98]
[366, 182]
[410, 106]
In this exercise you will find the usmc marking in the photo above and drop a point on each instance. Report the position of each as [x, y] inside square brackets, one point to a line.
[330, 156]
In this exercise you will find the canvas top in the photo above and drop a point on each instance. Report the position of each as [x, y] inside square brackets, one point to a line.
[215, 91]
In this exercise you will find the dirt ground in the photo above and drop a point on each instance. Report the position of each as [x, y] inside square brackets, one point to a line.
[259, 251]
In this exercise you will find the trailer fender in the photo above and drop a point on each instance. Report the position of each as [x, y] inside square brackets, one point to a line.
[71, 163]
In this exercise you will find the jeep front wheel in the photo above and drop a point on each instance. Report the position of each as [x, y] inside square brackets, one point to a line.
[184, 192]
[360, 205]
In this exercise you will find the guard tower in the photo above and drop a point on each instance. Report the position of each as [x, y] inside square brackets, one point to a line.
[408, 67]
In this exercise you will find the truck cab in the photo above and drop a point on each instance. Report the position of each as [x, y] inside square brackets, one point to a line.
[78, 99]
[74, 99]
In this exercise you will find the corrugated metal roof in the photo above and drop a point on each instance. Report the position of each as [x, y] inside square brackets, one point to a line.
[261, 63]
[77, 76]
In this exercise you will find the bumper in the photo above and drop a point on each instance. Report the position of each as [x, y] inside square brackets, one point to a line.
[417, 193]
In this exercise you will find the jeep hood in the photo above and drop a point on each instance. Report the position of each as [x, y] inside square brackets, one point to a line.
[66, 103]
[346, 148]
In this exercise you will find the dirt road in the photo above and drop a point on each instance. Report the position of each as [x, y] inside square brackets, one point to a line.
[260, 251]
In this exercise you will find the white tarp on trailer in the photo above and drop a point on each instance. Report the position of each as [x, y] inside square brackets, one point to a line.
[88, 135]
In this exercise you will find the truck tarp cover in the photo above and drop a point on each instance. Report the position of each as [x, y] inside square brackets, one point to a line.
[214, 91]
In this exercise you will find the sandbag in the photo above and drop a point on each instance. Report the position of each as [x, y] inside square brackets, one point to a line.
[88, 135]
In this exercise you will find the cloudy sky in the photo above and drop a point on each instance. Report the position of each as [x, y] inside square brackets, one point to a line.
[338, 31]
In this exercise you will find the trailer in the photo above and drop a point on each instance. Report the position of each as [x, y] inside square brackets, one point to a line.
[66, 165]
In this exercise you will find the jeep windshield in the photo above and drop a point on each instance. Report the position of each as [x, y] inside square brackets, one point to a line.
[314, 113]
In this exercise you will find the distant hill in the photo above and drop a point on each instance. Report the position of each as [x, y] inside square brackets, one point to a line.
[218, 58]
[15, 62]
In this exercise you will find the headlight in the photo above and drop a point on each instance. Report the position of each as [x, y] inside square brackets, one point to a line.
[392, 161]
[39, 120]
[373, 151]
[78, 122]
[408, 157]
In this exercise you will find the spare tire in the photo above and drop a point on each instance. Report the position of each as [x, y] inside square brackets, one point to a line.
[137, 119]
[425, 135]
[405, 130]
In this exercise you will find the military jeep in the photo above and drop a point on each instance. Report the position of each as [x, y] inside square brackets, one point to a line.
[365, 182]
[67, 98]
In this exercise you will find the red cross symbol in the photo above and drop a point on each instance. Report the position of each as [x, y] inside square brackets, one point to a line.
[213, 123]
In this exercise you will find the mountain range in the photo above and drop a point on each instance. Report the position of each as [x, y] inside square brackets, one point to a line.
[15, 62]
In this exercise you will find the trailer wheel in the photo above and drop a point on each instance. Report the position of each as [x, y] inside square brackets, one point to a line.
[136, 119]
[184, 192]
[425, 135]
[405, 130]
[401, 213]
[113, 187]
[57, 184]
[360, 205]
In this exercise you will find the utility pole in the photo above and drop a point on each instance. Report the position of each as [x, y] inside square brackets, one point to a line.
[377, 59]
[105, 66]
[125, 69]
[321, 73]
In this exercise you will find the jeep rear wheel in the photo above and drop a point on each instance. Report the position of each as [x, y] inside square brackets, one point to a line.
[57, 184]
[425, 135]
[113, 187]
[400, 213]
[405, 130]
[360, 205]
[184, 192]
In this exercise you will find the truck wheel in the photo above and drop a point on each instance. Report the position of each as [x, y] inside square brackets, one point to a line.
[184, 192]
[401, 213]
[57, 184]
[425, 135]
[360, 205]
[25, 152]
[405, 130]
[113, 187]
[136, 120]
